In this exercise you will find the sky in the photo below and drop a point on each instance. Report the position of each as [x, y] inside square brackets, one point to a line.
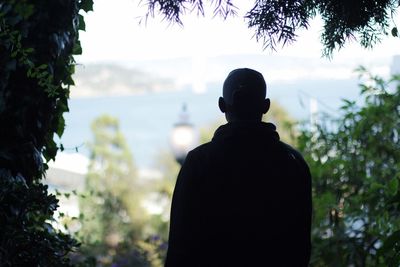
[113, 34]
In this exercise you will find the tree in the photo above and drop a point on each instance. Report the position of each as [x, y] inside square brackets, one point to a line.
[37, 43]
[169, 167]
[112, 212]
[355, 163]
[116, 230]
[276, 22]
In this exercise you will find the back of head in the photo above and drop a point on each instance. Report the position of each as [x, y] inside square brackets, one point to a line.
[244, 91]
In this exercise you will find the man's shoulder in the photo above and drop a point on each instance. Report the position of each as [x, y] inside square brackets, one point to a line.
[211, 145]
[200, 150]
[291, 149]
[294, 153]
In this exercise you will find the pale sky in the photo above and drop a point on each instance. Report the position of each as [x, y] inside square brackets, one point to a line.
[114, 35]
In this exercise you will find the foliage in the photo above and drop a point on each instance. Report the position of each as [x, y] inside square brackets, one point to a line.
[37, 41]
[27, 236]
[355, 162]
[276, 22]
[169, 167]
[115, 226]
[110, 180]
[164, 187]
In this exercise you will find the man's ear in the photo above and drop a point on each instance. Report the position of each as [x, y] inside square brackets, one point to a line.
[222, 104]
[266, 105]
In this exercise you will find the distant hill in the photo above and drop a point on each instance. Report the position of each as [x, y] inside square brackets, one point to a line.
[147, 76]
[274, 67]
[93, 80]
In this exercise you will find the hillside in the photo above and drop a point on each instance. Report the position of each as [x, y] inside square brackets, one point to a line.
[93, 80]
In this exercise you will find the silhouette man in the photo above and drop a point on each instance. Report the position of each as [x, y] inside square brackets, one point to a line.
[243, 199]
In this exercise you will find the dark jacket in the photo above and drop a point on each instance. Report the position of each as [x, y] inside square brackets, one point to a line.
[243, 199]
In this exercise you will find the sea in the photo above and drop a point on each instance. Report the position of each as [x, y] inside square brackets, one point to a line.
[146, 120]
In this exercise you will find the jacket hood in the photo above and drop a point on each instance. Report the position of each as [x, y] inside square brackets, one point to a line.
[266, 131]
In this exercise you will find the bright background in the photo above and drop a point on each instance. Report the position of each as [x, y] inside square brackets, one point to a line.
[197, 57]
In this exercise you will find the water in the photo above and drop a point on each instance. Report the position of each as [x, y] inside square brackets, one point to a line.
[146, 120]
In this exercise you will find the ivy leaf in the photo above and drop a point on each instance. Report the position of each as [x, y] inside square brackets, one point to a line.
[390, 243]
[86, 5]
[393, 186]
[69, 80]
[50, 151]
[24, 10]
[82, 25]
[60, 126]
[77, 50]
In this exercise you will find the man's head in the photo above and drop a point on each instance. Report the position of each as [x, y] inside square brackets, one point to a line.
[243, 96]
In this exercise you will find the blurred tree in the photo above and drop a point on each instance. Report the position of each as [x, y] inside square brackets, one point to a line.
[113, 212]
[355, 163]
[276, 22]
[169, 168]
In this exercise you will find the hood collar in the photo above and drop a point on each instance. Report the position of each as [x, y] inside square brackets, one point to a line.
[233, 129]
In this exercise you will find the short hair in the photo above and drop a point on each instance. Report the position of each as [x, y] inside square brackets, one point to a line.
[244, 90]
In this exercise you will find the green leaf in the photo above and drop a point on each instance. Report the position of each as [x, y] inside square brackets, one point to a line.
[375, 187]
[50, 150]
[390, 242]
[24, 10]
[77, 50]
[82, 25]
[69, 81]
[86, 5]
[60, 126]
[42, 67]
[29, 50]
[393, 186]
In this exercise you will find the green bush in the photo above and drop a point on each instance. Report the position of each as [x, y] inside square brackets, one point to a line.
[355, 163]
